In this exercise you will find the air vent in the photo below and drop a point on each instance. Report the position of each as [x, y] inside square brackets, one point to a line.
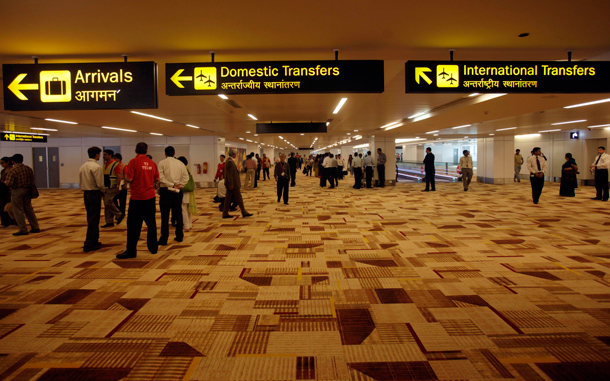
[232, 103]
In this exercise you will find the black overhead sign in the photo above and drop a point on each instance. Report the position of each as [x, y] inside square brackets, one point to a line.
[507, 77]
[80, 86]
[19, 137]
[287, 128]
[278, 77]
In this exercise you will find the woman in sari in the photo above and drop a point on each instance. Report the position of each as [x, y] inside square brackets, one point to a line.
[568, 177]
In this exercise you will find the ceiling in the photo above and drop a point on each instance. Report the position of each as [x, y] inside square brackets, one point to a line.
[389, 30]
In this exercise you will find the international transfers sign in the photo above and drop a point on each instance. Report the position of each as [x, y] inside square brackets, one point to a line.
[80, 86]
[507, 77]
[276, 77]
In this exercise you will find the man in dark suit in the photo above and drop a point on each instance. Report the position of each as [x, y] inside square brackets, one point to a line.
[430, 172]
[293, 162]
[233, 186]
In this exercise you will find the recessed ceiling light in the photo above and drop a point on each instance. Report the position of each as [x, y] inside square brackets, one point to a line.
[255, 134]
[466, 125]
[302, 134]
[435, 135]
[247, 132]
[599, 125]
[223, 96]
[569, 122]
[155, 133]
[241, 139]
[151, 116]
[559, 129]
[473, 94]
[118, 129]
[190, 125]
[526, 136]
[60, 121]
[341, 103]
[355, 130]
[589, 103]
[252, 116]
[491, 134]
[431, 132]
[505, 129]
[43, 129]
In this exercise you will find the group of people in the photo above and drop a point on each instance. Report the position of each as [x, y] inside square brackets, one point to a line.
[537, 167]
[171, 178]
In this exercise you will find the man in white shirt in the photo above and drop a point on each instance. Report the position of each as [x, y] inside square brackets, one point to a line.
[357, 167]
[369, 164]
[173, 176]
[325, 169]
[537, 166]
[91, 177]
[466, 169]
[600, 169]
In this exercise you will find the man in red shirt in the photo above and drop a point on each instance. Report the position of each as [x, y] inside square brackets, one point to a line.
[143, 175]
[220, 172]
[266, 166]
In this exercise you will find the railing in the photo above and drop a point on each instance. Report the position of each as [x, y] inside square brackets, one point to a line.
[415, 171]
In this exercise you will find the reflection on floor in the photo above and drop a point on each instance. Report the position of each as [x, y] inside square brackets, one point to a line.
[374, 284]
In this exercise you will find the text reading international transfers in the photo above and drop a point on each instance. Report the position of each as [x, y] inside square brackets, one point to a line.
[531, 70]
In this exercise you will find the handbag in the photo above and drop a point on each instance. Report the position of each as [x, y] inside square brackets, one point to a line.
[34, 191]
[190, 186]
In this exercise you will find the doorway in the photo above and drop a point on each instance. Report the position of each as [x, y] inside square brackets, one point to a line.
[46, 167]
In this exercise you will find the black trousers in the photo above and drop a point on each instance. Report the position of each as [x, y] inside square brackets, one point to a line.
[93, 206]
[323, 176]
[222, 203]
[381, 174]
[120, 200]
[601, 183]
[282, 189]
[358, 178]
[369, 177]
[258, 173]
[334, 177]
[170, 201]
[266, 173]
[293, 176]
[340, 170]
[235, 195]
[430, 180]
[141, 211]
[537, 185]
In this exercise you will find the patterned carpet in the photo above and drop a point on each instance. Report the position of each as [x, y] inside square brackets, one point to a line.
[342, 284]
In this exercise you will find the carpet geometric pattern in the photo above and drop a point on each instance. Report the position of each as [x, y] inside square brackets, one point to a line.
[341, 284]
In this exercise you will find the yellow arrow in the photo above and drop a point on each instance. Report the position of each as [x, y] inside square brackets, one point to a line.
[6, 137]
[176, 78]
[16, 86]
[421, 72]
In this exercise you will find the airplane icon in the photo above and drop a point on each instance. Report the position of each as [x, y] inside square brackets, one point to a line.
[201, 76]
[451, 79]
[209, 82]
[443, 74]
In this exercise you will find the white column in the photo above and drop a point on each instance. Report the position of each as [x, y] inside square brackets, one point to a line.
[388, 147]
[495, 160]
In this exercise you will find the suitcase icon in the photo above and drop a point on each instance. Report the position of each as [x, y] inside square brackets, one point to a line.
[55, 87]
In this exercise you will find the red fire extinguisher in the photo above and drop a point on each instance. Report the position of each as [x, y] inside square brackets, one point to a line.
[205, 167]
[198, 168]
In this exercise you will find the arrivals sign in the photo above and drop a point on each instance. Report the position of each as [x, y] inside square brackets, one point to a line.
[80, 86]
[19, 137]
[285, 77]
[507, 77]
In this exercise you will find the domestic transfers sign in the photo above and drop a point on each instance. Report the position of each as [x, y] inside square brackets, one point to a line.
[507, 77]
[276, 77]
[80, 86]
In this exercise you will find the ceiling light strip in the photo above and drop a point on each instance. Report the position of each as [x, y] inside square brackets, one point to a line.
[589, 103]
[569, 122]
[341, 103]
[151, 116]
[60, 121]
[118, 129]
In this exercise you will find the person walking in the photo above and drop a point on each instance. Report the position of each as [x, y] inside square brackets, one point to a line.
[381, 160]
[173, 176]
[21, 180]
[430, 170]
[369, 166]
[189, 202]
[282, 177]
[357, 168]
[111, 174]
[518, 163]
[568, 177]
[233, 185]
[466, 168]
[537, 166]
[120, 200]
[5, 192]
[250, 171]
[293, 162]
[91, 179]
[266, 166]
[143, 176]
[600, 170]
